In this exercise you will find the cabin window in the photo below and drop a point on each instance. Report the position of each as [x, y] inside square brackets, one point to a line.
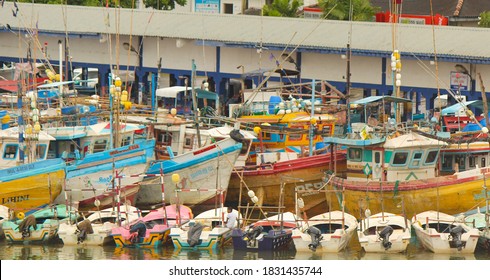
[125, 141]
[400, 158]
[296, 136]
[188, 142]
[41, 150]
[472, 161]
[461, 161]
[355, 154]
[483, 161]
[377, 157]
[417, 157]
[100, 145]
[10, 151]
[165, 139]
[447, 162]
[266, 136]
[431, 157]
[327, 130]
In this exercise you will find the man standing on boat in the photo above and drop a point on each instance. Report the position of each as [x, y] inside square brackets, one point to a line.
[231, 218]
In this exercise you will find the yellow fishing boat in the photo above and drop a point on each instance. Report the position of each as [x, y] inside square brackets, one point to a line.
[28, 180]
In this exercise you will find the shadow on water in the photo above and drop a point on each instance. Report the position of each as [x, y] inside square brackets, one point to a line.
[81, 252]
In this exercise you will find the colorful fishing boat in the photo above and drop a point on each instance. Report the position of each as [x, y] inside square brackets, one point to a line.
[282, 154]
[38, 227]
[442, 233]
[199, 176]
[153, 229]
[207, 231]
[96, 229]
[93, 160]
[327, 232]
[29, 180]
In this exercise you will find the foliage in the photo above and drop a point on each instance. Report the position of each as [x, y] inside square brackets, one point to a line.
[484, 19]
[155, 4]
[164, 4]
[282, 8]
[339, 9]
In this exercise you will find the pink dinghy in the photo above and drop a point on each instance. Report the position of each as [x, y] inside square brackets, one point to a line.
[152, 230]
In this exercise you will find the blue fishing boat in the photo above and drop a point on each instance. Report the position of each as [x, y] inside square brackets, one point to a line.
[93, 161]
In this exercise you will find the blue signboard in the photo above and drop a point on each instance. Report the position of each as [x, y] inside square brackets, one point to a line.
[207, 6]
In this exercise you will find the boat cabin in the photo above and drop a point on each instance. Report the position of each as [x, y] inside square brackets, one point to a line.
[36, 146]
[75, 142]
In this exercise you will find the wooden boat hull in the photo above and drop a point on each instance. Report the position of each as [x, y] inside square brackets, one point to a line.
[203, 174]
[450, 194]
[303, 174]
[155, 238]
[30, 186]
[209, 239]
[94, 176]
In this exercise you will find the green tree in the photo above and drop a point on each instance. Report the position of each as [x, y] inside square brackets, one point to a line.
[339, 9]
[282, 8]
[164, 4]
[484, 19]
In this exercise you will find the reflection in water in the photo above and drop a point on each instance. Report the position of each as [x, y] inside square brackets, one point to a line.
[84, 252]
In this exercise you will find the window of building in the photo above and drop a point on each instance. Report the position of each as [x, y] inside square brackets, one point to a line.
[228, 8]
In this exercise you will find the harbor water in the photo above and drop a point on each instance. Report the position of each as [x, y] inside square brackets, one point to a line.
[81, 252]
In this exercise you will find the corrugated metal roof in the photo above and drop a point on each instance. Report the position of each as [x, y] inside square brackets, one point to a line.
[368, 38]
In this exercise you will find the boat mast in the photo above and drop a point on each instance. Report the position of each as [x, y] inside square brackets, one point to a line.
[194, 103]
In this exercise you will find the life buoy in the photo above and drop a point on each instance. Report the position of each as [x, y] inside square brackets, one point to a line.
[21, 215]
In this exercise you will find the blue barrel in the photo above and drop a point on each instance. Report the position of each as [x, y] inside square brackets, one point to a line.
[273, 102]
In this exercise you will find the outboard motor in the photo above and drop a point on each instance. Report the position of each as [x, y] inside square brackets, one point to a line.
[194, 234]
[253, 233]
[316, 237]
[385, 236]
[83, 228]
[456, 233]
[140, 229]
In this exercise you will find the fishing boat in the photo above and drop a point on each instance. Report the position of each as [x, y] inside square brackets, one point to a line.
[391, 164]
[327, 232]
[5, 214]
[38, 227]
[94, 160]
[442, 233]
[206, 231]
[199, 176]
[269, 234]
[96, 228]
[384, 233]
[153, 229]
[283, 150]
[480, 221]
[29, 179]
